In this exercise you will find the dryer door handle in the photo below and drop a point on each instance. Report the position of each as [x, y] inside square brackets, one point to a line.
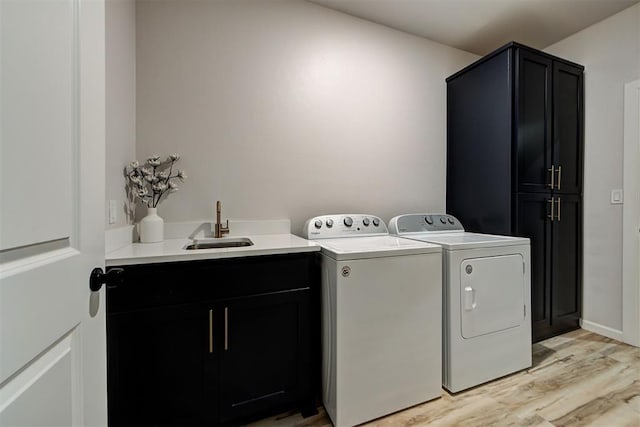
[469, 298]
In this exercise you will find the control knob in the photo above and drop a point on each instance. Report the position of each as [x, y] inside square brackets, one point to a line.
[348, 221]
[366, 222]
[443, 220]
[450, 220]
[329, 223]
[376, 222]
[428, 219]
[318, 223]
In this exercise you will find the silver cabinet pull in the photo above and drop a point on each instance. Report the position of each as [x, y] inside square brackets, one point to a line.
[552, 170]
[210, 331]
[226, 328]
[551, 200]
[559, 177]
[559, 208]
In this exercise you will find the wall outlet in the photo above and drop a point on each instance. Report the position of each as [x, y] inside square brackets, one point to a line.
[617, 197]
[113, 211]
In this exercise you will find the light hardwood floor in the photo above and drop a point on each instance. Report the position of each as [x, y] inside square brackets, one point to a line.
[577, 379]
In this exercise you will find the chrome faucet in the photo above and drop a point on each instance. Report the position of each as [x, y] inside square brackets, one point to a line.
[219, 229]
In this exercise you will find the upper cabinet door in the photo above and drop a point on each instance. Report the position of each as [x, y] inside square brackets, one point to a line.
[533, 119]
[567, 127]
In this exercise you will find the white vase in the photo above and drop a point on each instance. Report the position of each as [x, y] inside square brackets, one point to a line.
[151, 227]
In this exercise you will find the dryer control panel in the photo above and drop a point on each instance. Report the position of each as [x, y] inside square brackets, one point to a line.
[419, 223]
[344, 225]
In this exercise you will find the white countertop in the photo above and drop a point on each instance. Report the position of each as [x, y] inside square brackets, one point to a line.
[172, 250]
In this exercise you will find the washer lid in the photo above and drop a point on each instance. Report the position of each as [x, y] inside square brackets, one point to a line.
[463, 240]
[374, 247]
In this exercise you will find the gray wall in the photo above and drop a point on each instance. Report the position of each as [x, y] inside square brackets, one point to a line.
[285, 109]
[121, 100]
[610, 52]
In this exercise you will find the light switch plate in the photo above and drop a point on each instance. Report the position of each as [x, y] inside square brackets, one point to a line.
[113, 211]
[617, 197]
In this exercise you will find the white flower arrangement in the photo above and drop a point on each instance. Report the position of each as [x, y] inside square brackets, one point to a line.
[154, 180]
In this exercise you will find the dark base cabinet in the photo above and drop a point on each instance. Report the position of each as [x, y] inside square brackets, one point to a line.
[212, 342]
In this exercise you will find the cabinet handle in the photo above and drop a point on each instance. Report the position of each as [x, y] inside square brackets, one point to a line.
[559, 209]
[210, 331]
[226, 328]
[552, 170]
[551, 200]
[559, 177]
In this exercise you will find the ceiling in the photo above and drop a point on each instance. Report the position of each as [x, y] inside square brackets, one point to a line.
[480, 26]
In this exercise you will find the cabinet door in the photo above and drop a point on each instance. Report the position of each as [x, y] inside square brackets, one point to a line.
[533, 118]
[264, 360]
[155, 366]
[533, 222]
[566, 264]
[567, 127]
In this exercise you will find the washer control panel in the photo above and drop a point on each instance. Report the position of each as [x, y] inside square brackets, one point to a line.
[344, 225]
[417, 223]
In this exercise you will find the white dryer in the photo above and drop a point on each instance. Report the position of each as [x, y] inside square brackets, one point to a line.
[381, 318]
[486, 299]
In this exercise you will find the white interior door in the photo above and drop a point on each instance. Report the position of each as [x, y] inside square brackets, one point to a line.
[631, 216]
[52, 328]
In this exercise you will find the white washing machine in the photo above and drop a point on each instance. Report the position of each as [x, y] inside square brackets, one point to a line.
[486, 299]
[381, 318]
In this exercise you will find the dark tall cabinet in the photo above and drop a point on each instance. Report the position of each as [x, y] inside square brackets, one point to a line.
[514, 167]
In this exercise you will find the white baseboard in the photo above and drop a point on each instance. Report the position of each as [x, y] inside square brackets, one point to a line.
[601, 330]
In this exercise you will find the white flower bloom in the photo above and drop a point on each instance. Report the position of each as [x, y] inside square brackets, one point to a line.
[154, 160]
[148, 183]
[159, 187]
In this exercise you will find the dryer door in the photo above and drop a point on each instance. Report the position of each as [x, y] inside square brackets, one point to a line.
[492, 294]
